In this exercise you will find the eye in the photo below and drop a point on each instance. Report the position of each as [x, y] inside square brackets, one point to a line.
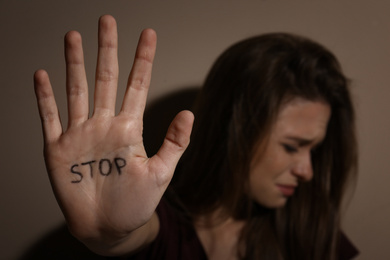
[290, 148]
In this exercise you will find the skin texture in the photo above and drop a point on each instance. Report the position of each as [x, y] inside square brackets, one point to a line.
[112, 214]
[284, 160]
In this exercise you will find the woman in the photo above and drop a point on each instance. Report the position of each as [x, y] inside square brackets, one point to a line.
[272, 151]
[279, 101]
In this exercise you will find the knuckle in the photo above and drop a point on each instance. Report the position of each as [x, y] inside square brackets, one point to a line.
[108, 45]
[139, 83]
[49, 117]
[76, 91]
[145, 57]
[106, 75]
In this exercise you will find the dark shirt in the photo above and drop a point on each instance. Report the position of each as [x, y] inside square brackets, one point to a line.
[177, 240]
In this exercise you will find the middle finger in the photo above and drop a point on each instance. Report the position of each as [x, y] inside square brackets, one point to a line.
[107, 67]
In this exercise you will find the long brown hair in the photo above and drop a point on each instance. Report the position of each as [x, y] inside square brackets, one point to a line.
[237, 106]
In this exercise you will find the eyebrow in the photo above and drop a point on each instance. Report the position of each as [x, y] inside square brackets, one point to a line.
[303, 141]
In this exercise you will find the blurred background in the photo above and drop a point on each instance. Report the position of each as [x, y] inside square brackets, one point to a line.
[191, 34]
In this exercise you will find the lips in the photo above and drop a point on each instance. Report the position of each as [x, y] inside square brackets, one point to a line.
[287, 190]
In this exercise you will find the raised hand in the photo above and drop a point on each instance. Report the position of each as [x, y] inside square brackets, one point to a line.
[103, 180]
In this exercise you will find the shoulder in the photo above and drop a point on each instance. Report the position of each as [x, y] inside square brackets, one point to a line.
[347, 249]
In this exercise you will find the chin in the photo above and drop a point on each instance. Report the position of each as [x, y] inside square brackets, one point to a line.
[273, 204]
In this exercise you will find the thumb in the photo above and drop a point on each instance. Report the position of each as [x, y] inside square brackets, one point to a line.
[176, 140]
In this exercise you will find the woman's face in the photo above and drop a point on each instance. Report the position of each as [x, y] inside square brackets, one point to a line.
[284, 160]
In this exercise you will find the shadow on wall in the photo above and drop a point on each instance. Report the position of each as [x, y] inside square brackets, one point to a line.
[59, 244]
[159, 115]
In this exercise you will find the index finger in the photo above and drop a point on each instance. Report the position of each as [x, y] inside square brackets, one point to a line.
[140, 75]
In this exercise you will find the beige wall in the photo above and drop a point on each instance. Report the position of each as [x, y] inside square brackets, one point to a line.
[191, 34]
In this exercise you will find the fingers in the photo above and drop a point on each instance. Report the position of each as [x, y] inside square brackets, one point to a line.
[107, 67]
[176, 140]
[47, 106]
[140, 75]
[76, 82]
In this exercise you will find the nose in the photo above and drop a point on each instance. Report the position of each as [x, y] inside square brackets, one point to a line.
[303, 167]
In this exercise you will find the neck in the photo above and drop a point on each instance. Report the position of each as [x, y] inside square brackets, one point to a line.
[219, 235]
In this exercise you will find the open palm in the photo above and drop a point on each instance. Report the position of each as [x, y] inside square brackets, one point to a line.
[100, 173]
